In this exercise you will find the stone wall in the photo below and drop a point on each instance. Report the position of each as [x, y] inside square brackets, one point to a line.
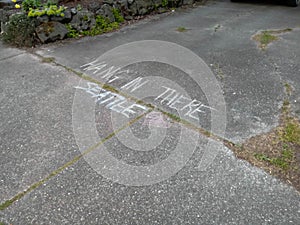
[52, 28]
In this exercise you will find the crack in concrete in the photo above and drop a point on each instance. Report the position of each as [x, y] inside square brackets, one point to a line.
[12, 56]
[173, 117]
[37, 184]
[141, 102]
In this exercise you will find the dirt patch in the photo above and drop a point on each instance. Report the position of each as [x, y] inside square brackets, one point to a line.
[264, 38]
[277, 152]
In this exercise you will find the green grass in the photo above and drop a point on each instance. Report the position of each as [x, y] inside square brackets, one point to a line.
[283, 161]
[280, 162]
[291, 133]
[268, 36]
[261, 157]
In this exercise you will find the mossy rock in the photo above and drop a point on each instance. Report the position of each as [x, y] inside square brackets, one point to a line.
[51, 31]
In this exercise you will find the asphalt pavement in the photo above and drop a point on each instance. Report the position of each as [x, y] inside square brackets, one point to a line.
[113, 129]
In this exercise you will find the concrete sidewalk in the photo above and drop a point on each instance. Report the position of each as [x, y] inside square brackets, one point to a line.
[76, 152]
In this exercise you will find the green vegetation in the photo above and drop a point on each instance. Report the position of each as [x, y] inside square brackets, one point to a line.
[119, 18]
[78, 7]
[283, 161]
[276, 151]
[164, 3]
[266, 37]
[103, 25]
[181, 29]
[72, 32]
[291, 133]
[20, 31]
[33, 4]
[52, 10]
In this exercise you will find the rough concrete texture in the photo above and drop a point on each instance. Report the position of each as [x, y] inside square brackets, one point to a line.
[48, 117]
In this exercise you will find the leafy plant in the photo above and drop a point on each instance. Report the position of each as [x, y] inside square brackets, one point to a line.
[27, 4]
[164, 3]
[49, 3]
[78, 7]
[119, 18]
[103, 25]
[19, 31]
[72, 33]
[52, 10]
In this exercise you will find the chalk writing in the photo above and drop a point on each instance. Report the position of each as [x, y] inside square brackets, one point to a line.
[175, 100]
[169, 96]
[135, 84]
[113, 101]
[108, 74]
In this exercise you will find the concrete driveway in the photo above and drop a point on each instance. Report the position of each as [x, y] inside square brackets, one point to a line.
[113, 129]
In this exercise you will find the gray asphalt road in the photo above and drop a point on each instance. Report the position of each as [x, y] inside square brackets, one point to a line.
[88, 155]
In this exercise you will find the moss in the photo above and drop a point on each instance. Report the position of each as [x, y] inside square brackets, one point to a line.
[181, 29]
[48, 59]
[266, 37]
